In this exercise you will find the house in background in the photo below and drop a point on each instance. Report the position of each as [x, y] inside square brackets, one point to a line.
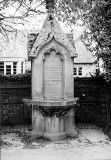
[13, 53]
[85, 64]
[14, 56]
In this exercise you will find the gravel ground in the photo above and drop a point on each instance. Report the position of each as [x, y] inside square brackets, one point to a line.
[90, 144]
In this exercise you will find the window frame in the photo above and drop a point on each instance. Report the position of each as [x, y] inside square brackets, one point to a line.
[14, 68]
[80, 71]
[8, 69]
[75, 71]
[22, 67]
[1, 68]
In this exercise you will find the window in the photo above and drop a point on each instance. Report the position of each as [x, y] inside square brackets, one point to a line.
[1, 68]
[22, 67]
[80, 71]
[14, 67]
[75, 71]
[8, 69]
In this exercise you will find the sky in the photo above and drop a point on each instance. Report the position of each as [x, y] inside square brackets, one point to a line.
[34, 23]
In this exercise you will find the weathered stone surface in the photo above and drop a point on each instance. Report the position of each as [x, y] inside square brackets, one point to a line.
[62, 66]
[51, 29]
[54, 128]
[55, 136]
[50, 108]
[52, 83]
[53, 77]
[70, 124]
[37, 124]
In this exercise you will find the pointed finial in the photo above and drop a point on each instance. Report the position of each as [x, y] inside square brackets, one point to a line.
[50, 5]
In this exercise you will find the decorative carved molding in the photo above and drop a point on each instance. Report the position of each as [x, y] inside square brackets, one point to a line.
[51, 30]
[57, 77]
[57, 52]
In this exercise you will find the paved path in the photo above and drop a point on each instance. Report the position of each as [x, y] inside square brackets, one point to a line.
[91, 144]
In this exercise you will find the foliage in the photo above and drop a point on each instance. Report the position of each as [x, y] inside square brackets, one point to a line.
[96, 17]
[72, 10]
[98, 21]
[16, 78]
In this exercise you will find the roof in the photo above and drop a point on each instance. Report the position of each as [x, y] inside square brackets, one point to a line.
[15, 46]
[84, 55]
[51, 29]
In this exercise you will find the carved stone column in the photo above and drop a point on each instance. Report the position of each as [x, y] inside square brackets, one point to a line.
[54, 128]
[37, 124]
[70, 124]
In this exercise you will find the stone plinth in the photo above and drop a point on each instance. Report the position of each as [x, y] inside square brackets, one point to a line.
[70, 123]
[54, 128]
[37, 124]
[53, 120]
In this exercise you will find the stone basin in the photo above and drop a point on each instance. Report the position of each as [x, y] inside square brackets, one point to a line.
[50, 108]
[53, 120]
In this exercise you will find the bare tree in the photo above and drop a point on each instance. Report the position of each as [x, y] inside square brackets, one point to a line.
[17, 12]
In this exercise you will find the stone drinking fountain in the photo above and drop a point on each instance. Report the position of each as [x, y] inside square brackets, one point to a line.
[53, 103]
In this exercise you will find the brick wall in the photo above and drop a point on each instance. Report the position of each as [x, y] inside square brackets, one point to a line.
[13, 111]
[95, 99]
[10, 92]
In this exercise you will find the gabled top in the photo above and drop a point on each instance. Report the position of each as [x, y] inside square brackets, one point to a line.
[51, 29]
[84, 55]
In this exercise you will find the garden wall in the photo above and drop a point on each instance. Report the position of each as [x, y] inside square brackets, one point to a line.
[14, 92]
[95, 101]
[13, 111]
[94, 94]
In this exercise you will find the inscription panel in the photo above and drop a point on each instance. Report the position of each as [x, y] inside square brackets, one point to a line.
[53, 77]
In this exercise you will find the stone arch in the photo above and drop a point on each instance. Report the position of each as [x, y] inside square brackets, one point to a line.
[57, 52]
[53, 74]
[38, 48]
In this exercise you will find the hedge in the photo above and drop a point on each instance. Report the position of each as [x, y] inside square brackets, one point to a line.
[16, 78]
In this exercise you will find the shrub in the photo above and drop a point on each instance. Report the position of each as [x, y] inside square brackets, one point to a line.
[17, 78]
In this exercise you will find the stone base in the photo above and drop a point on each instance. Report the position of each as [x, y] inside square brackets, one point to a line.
[55, 136]
[72, 133]
[35, 134]
[70, 124]
[53, 127]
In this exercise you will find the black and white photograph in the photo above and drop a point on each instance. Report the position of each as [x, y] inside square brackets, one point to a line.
[55, 79]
